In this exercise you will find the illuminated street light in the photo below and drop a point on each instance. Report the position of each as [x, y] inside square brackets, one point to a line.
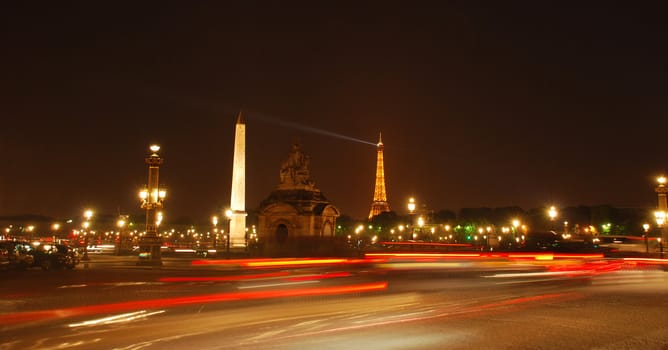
[411, 211]
[661, 191]
[88, 214]
[516, 225]
[152, 198]
[552, 213]
[411, 205]
[660, 217]
[120, 224]
[645, 227]
[55, 227]
[30, 229]
[214, 221]
[420, 223]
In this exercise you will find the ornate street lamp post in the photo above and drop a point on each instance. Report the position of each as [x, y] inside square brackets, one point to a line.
[552, 213]
[88, 214]
[30, 230]
[516, 224]
[411, 211]
[645, 227]
[420, 223]
[661, 191]
[660, 217]
[214, 221]
[151, 200]
[120, 223]
[55, 227]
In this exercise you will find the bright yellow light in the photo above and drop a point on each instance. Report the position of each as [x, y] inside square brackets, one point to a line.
[162, 194]
[88, 214]
[143, 194]
[660, 217]
[661, 180]
[552, 213]
[120, 223]
[420, 221]
[228, 213]
[154, 148]
[411, 204]
[86, 224]
[214, 220]
[55, 226]
[516, 223]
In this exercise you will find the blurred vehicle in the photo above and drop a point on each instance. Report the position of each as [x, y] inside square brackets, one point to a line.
[19, 254]
[628, 243]
[101, 249]
[49, 256]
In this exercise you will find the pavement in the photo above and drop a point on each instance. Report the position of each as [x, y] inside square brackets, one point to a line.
[100, 260]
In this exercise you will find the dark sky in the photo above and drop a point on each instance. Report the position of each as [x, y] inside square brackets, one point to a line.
[481, 104]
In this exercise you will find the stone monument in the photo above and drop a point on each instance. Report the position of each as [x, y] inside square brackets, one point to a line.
[296, 217]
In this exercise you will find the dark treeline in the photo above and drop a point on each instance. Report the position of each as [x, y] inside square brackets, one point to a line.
[603, 219]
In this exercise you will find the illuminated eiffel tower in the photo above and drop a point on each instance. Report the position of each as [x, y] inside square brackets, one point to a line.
[379, 204]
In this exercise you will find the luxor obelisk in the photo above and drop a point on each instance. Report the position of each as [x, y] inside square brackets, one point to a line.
[237, 229]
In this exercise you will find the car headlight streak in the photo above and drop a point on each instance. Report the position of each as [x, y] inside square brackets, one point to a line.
[127, 317]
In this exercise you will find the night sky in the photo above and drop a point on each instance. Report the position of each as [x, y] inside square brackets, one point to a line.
[480, 104]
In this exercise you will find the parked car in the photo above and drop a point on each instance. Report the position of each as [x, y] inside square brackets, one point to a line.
[19, 254]
[49, 256]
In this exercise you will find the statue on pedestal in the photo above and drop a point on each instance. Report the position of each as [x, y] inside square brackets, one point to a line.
[294, 170]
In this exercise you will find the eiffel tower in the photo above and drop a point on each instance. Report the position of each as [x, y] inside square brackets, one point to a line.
[379, 204]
